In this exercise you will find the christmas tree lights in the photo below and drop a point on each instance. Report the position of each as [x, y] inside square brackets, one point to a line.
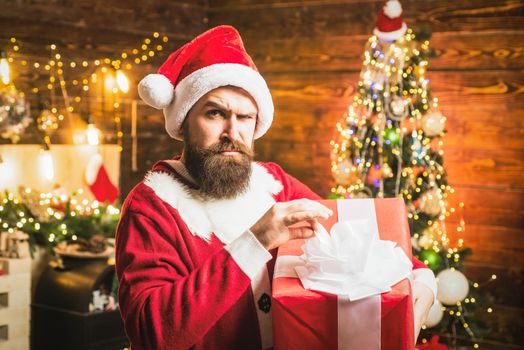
[388, 144]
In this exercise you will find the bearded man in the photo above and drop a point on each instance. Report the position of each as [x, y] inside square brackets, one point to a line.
[197, 240]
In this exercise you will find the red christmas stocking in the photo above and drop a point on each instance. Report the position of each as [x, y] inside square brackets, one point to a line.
[98, 180]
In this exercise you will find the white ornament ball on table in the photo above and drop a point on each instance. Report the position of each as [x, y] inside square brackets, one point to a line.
[453, 287]
[435, 315]
[433, 123]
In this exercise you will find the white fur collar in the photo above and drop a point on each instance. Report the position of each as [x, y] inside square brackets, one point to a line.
[227, 219]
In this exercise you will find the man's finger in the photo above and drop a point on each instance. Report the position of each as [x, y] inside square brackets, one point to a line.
[315, 225]
[300, 205]
[297, 217]
[302, 232]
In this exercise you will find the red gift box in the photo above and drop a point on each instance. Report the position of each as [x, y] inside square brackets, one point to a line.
[307, 319]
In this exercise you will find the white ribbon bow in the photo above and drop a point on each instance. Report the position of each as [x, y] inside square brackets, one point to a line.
[351, 261]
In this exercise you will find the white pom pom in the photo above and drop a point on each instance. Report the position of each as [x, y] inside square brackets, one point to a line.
[393, 9]
[156, 90]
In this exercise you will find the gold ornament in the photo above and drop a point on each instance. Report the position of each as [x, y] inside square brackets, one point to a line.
[47, 121]
[387, 172]
[344, 173]
[420, 71]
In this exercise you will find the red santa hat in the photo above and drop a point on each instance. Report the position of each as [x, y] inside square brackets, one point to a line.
[213, 59]
[389, 23]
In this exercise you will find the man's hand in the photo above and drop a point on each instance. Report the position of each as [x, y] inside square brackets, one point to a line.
[272, 230]
[423, 297]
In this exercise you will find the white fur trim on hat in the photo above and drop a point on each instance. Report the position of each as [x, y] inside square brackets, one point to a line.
[156, 90]
[393, 9]
[201, 81]
[394, 35]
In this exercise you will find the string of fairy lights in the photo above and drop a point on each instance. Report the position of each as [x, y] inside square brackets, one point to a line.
[73, 89]
[86, 74]
[389, 144]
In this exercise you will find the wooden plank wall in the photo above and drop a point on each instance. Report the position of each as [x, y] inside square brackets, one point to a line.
[310, 52]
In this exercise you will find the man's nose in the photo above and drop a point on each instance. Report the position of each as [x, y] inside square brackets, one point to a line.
[231, 128]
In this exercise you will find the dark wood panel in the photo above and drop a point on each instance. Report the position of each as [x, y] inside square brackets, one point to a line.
[485, 167]
[318, 19]
[502, 289]
[507, 319]
[99, 16]
[493, 245]
[497, 205]
[465, 50]
[451, 87]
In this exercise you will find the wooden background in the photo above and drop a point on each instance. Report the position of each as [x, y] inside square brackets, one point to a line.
[310, 51]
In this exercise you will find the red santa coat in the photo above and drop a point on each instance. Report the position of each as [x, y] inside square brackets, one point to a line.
[191, 274]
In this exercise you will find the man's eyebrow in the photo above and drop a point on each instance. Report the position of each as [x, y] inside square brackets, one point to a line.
[215, 104]
[220, 106]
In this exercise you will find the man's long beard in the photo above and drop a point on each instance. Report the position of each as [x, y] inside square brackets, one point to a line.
[219, 176]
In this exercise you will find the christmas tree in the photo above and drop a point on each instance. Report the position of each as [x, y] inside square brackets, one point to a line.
[389, 145]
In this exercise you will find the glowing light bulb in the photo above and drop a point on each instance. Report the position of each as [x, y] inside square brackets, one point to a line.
[5, 75]
[122, 81]
[110, 81]
[46, 164]
[92, 135]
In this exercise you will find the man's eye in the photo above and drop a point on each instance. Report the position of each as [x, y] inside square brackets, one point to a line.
[247, 116]
[215, 113]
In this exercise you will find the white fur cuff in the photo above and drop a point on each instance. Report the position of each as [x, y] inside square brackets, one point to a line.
[249, 254]
[426, 277]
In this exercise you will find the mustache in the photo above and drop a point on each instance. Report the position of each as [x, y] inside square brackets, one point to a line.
[230, 145]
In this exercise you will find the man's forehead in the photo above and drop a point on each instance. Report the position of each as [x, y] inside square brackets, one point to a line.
[231, 98]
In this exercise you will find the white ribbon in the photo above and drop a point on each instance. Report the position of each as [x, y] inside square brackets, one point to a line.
[352, 262]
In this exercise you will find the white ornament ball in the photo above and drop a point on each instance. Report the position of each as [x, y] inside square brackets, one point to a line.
[430, 202]
[433, 123]
[435, 315]
[425, 242]
[453, 287]
[398, 106]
